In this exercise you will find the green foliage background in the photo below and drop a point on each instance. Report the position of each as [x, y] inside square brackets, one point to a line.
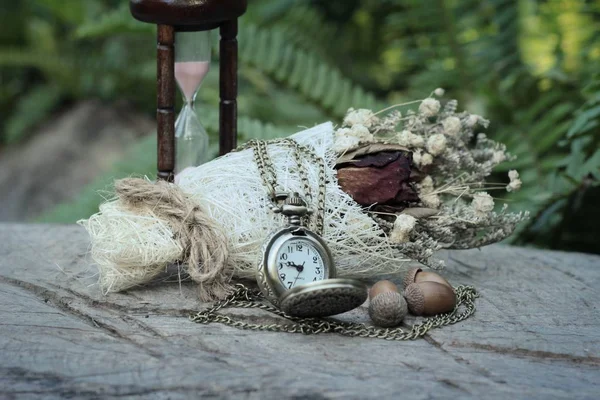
[531, 67]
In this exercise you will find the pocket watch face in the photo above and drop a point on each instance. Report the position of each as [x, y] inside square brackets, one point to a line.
[299, 262]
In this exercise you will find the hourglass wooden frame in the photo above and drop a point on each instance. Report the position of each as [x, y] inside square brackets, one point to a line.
[191, 15]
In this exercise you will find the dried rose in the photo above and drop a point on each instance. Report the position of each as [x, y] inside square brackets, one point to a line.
[378, 174]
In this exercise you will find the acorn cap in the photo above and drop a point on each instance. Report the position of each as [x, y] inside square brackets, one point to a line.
[388, 309]
[382, 287]
[415, 299]
[428, 276]
[410, 277]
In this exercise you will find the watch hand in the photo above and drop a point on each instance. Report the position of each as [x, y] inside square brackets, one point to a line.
[291, 264]
[299, 268]
[297, 276]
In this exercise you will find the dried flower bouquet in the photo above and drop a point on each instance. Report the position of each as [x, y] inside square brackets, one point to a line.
[422, 177]
[398, 188]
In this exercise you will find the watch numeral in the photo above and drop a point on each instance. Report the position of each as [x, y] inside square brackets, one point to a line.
[282, 276]
[290, 249]
[299, 247]
[315, 258]
[283, 256]
[318, 271]
[280, 265]
[290, 283]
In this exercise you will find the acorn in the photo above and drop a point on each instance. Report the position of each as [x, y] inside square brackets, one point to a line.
[429, 298]
[387, 307]
[416, 275]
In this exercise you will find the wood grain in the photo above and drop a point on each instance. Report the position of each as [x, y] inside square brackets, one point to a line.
[535, 335]
[165, 99]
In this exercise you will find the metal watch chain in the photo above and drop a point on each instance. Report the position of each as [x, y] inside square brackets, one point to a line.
[269, 178]
[244, 297]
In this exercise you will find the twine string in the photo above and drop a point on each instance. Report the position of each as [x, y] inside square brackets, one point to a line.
[205, 244]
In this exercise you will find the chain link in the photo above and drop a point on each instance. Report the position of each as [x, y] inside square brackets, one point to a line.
[269, 177]
[243, 297]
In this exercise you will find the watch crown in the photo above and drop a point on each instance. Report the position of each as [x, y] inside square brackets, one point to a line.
[295, 200]
[294, 208]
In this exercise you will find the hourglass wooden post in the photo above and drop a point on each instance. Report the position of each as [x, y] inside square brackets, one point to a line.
[191, 15]
[228, 87]
[165, 102]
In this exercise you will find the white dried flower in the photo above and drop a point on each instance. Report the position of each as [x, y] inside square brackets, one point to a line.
[515, 182]
[429, 107]
[436, 144]
[439, 92]
[421, 158]
[431, 200]
[403, 226]
[498, 156]
[426, 194]
[482, 203]
[361, 116]
[416, 157]
[513, 186]
[343, 132]
[361, 132]
[426, 159]
[344, 143]
[426, 185]
[472, 120]
[451, 126]
[409, 139]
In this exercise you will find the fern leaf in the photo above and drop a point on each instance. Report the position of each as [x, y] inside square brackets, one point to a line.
[300, 70]
[117, 21]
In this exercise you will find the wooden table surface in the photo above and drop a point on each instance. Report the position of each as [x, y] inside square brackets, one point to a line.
[536, 334]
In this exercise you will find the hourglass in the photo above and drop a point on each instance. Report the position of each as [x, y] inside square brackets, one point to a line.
[188, 21]
[192, 62]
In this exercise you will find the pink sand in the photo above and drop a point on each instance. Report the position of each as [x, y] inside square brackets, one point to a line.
[189, 76]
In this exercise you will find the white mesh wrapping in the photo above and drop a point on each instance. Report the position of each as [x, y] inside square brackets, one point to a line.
[230, 189]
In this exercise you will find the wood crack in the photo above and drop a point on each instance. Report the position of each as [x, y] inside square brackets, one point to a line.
[176, 312]
[59, 302]
[536, 354]
[480, 371]
[46, 383]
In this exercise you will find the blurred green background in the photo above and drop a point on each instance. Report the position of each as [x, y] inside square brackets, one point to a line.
[531, 67]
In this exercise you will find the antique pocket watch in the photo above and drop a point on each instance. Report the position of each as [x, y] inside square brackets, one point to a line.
[296, 271]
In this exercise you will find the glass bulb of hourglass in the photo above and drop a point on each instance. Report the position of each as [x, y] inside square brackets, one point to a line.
[192, 62]
[189, 76]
